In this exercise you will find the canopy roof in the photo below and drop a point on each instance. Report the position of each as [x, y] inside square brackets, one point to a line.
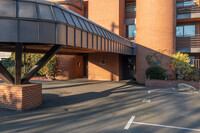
[45, 22]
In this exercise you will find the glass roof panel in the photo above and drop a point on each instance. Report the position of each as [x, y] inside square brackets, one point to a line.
[82, 24]
[94, 30]
[76, 21]
[5, 5]
[88, 26]
[45, 12]
[27, 10]
[69, 18]
[59, 15]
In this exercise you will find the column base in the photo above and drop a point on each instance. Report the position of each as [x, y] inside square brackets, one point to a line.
[20, 97]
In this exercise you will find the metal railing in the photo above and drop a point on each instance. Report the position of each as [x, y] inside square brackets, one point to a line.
[191, 9]
[196, 63]
[188, 9]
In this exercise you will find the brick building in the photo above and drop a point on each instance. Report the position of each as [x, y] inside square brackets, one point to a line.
[110, 17]
[103, 40]
[161, 25]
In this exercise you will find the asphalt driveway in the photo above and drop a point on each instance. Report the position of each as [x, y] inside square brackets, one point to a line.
[82, 106]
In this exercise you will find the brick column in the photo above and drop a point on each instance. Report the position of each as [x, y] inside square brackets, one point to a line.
[156, 25]
[20, 97]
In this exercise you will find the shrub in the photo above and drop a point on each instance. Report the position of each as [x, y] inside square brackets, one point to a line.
[30, 60]
[193, 75]
[181, 65]
[156, 72]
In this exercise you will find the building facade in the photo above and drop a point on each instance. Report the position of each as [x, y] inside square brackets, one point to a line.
[155, 26]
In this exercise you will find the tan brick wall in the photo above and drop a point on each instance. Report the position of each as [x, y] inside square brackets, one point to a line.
[68, 66]
[21, 97]
[108, 13]
[110, 71]
[156, 21]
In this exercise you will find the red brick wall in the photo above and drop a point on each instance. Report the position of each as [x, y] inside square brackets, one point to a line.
[21, 97]
[68, 66]
[85, 9]
[110, 71]
[72, 7]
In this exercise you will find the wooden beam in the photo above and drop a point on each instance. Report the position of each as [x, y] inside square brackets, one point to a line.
[5, 75]
[18, 63]
[41, 63]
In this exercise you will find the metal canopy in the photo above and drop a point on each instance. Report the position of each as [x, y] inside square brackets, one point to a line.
[44, 22]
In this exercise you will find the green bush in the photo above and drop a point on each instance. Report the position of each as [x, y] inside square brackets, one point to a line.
[30, 60]
[181, 66]
[156, 72]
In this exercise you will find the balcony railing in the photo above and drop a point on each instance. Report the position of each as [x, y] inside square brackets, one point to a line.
[188, 44]
[196, 63]
[190, 9]
[192, 42]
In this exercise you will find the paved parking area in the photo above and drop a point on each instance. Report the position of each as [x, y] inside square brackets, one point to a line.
[82, 106]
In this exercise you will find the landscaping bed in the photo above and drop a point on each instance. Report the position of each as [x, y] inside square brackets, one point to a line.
[170, 83]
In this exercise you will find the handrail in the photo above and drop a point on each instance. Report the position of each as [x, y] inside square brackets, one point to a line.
[196, 63]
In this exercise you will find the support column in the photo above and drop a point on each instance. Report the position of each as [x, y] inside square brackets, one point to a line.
[18, 63]
[41, 63]
[156, 31]
[23, 97]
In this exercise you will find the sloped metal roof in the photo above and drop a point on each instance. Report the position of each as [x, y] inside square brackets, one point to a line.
[45, 22]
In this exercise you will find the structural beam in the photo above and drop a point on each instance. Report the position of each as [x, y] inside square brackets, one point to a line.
[18, 63]
[41, 63]
[5, 75]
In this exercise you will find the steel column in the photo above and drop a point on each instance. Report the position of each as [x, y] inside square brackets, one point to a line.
[41, 63]
[5, 75]
[18, 63]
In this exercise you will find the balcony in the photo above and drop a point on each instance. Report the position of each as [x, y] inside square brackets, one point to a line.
[196, 63]
[188, 44]
[188, 10]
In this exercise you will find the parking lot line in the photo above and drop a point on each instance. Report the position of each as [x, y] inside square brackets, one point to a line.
[131, 121]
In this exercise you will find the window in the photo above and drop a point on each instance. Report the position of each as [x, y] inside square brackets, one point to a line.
[185, 31]
[179, 31]
[186, 3]
[131, 7]
[131, 31]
